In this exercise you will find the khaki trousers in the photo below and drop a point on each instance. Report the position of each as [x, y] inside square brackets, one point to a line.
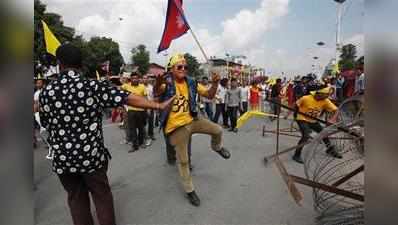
[180, 139]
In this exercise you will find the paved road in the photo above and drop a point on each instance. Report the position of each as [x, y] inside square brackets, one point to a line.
[147, 191]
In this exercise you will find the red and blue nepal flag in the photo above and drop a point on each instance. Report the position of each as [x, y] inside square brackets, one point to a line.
[175, 26]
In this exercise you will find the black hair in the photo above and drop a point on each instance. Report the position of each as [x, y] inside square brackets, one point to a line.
[205, 78]
[233, 79]
[135, 73]
[224, 82]
[69, 55]
[278, 80]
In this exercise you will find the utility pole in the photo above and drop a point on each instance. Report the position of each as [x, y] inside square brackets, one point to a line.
[338, 27]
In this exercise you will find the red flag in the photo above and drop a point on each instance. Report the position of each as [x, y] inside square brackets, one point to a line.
[176, 24]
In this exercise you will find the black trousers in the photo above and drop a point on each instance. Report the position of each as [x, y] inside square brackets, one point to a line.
[276, 108]
[150, 117]
[136, 126]
[171, 152]
[220, 109]
[244, 108]
[78, 187]
[305, 129]
[233, 115]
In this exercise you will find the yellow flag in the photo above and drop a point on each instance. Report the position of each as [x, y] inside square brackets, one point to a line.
[51, 41]
[249, 114]
[335, 69]
[97, 74]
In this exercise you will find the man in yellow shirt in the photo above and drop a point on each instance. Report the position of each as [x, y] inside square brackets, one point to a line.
[136, 117]
[181, 120]
[313, 105]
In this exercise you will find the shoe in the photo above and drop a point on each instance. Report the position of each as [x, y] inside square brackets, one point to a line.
[171, 162]
[235, 130]
[332, 151]
[193, 198]
[134, 149]
[231, 129]
[298, 159]
[190, 167]
[153, 138]
[148, 142]
[224, 153]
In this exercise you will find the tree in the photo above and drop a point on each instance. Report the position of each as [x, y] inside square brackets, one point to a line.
[95, 51]
[348, 57]
[140, 58]
[56, 24]
[193, 66]
[98, 50]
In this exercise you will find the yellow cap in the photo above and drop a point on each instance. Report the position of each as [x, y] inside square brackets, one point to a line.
[176, 58]
[325, 90]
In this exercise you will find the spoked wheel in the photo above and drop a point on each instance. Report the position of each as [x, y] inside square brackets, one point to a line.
[345, 174]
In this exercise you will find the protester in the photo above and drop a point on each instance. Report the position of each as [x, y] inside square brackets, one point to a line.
[181, 120]
[313, 105]
[263, 93]
[233, 101]
[333, 91]
[136, 116]
[71, 108]
[220, 103]
[276, 97]
[150, 113]
[208, 103]
[290, 98]
[244, 93]
[254, 96]
[39, 85]
[339, 88]
[360, 83]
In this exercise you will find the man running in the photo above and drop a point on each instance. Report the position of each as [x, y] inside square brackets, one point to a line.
[313, 105]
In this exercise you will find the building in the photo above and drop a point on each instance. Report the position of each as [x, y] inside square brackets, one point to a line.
[155, 70]
[228, 69]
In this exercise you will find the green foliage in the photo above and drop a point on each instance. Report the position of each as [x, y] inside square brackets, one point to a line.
[95, 51]
[348, 57]
[56, 24]
[98, 50]
[193, 66]
[140, 58]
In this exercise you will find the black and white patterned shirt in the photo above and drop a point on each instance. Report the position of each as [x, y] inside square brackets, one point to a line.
[71, 110]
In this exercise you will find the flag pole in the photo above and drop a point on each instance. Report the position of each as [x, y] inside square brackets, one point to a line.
[200, 46]
[179, 7]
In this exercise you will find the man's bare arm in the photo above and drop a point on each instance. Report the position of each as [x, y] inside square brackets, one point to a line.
[142, 102]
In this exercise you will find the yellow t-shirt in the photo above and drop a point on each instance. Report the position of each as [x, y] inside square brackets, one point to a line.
[180, 114]
[139, 90]
[308, 105]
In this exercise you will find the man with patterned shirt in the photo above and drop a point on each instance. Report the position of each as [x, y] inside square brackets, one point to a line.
[70, 109]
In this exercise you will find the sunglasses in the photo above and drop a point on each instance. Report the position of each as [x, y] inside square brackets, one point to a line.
[182, 67]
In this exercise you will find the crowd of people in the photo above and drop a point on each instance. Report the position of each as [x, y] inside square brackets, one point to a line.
[71, 109]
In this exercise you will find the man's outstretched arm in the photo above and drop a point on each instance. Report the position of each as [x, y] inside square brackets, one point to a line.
[142, 102]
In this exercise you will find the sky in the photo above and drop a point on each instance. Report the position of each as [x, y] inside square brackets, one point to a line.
[277, 35]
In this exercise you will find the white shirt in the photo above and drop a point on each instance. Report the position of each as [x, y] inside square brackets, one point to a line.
[36, 95]
[263, 90]
[220, 94]
[244, 93]
[149, 91]
[204, 99]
